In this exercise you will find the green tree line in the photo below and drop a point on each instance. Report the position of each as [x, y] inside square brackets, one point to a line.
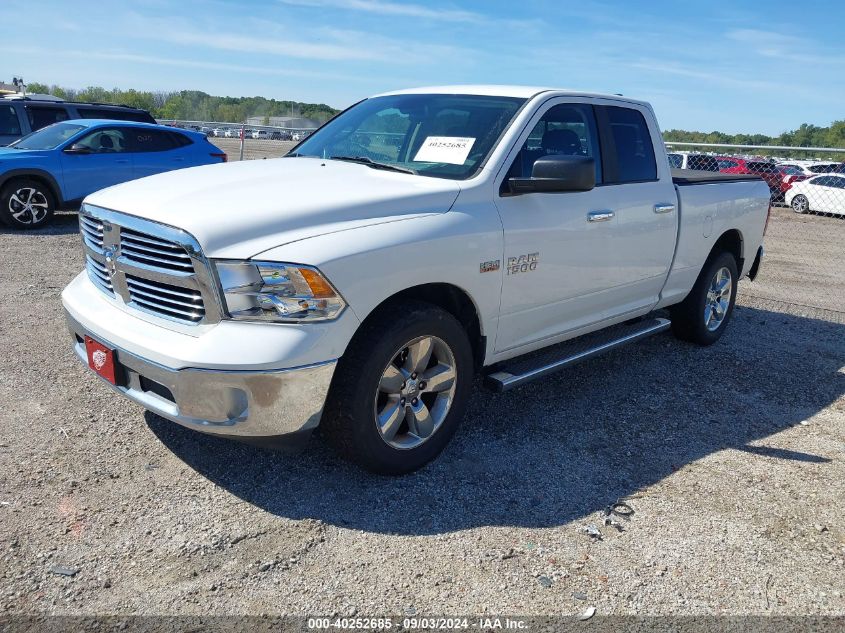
[192, 105]
[807, 135]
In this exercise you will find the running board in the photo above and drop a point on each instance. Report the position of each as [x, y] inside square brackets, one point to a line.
[524, 369]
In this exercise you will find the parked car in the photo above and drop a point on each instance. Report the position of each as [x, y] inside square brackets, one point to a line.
[233, 132]
[798, 168]
[678, 160]
[824, 194]
[217, 132]
[296, 136]
[20, 116]
[767, 170]
[824, 168]
[415, 264]
[260, 134]
[280, 135]
[57, 166]
[702, 162]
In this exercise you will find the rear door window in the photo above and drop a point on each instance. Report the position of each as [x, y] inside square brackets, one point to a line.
[144, 140]
[42, 116]
[9, 124]
[634, 153]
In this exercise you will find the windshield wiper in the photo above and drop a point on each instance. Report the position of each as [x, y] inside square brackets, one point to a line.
[369, 162]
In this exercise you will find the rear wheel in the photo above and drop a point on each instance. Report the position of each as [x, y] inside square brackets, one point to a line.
[400, 390]
[26, 204]
[703, 316]
[800, 204]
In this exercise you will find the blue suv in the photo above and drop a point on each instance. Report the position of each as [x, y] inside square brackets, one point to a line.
[57, 166]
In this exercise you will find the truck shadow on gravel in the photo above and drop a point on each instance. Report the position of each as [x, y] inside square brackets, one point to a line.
[565, 447]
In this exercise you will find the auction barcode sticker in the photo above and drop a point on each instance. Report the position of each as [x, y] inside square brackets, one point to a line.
[445, 149]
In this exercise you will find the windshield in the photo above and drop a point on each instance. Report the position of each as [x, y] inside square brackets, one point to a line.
[49, 137]
[446, 136]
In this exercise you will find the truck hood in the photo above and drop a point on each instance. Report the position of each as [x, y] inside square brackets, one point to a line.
[238, 210]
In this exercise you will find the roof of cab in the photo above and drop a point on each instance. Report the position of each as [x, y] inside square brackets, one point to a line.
[492, 90]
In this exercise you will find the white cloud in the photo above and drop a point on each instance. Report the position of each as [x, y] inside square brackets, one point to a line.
[382, 7]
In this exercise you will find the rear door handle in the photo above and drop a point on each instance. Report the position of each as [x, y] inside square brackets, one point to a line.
[600, 216]
[122, 161]
[664, 208]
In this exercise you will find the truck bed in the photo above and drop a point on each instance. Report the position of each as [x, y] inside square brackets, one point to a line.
[699, 177]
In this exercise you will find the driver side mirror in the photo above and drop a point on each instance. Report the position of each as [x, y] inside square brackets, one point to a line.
[557, 173]
[76, 148]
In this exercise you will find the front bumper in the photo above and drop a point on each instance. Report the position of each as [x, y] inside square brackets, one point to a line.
[252, 405]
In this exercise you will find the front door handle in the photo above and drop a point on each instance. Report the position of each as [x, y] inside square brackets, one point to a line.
[122, 161]
[664, 208]
[600, 216]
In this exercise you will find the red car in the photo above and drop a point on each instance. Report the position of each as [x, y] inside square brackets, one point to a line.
[779, 178]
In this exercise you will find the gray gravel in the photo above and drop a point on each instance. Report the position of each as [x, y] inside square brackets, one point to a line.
[732, 457]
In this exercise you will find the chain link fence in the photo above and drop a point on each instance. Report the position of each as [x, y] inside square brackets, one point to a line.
[804, 267]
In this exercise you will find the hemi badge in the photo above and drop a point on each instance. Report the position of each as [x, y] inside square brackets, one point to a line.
[489, 267]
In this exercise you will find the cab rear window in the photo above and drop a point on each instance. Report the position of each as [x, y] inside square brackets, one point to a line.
[632, 141]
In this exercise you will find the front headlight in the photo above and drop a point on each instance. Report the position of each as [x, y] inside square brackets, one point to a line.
[272, 291]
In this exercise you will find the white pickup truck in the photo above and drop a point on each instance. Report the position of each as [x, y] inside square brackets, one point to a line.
[420, 237]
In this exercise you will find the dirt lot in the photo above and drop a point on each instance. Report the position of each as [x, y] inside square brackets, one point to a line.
[253, 148]
[732, 457]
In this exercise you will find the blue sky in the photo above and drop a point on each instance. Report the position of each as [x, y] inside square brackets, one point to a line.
[732, 66]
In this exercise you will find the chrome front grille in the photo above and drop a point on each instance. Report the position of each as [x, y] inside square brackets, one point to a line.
[99, 274]
[170, 301]
[92, 231]
[153, 251]
[153, 268]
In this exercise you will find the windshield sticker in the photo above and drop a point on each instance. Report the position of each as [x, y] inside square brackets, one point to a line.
[452, 150]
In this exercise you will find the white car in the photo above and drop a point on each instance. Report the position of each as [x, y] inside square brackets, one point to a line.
[233, 132]
[368, 282]
[217, 132]
[824, 193]
[261, 134]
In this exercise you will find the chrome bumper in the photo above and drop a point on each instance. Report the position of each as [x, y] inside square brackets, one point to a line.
[249, 405]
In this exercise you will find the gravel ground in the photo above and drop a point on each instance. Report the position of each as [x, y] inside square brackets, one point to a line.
[732, 457]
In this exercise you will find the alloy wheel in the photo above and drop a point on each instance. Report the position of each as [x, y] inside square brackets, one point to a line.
[415, 392]
[28, 205]
[718, 299]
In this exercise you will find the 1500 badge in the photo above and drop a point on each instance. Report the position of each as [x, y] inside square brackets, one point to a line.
[523, 263]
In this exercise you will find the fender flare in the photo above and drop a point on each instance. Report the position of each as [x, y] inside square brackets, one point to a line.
[41, 174]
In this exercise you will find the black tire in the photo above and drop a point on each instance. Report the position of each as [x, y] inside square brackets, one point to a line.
[349, 419]
[689, 320]
[13, 211]
[800, 204]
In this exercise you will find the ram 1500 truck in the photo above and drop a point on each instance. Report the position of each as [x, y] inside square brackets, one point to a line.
[361, 281]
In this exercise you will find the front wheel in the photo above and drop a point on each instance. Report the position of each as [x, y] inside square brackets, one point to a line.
[400, 389]
[800, 204]
[26, 204]
[703, 316]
